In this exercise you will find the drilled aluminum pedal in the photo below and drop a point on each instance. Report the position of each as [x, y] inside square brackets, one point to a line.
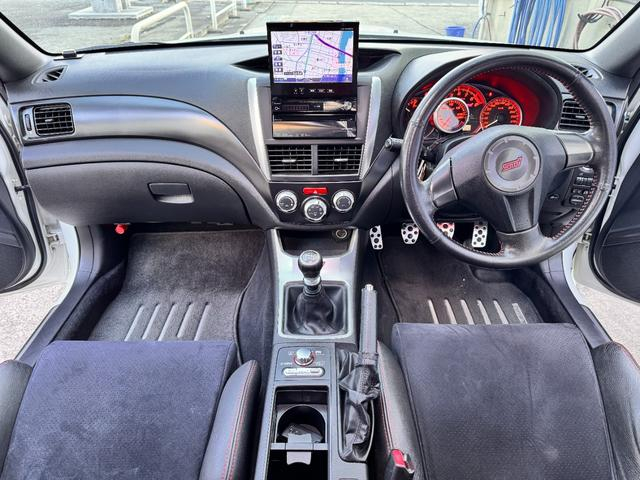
[375, 236]
[480, 234]
[410, 233]
[448, 228]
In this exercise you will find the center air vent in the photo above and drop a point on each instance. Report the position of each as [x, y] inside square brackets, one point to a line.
[339, 159]
[51, 120]
[573, 117]
[290, 159]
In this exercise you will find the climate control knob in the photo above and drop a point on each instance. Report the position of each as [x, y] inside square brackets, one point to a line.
[286, 201]
[343, 201]
[314, 209]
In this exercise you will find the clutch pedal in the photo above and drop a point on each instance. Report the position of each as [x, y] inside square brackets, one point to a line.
[410, 233]
[375, 236]
[448, 228]
[480, 234]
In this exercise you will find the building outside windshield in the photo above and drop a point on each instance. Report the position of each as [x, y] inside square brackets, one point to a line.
[58, 25]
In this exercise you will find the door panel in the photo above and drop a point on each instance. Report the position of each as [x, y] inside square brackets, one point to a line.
[616, 251]
[17, 250]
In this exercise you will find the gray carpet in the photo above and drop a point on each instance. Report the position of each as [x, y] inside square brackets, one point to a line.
[182, 286]
[428, 286]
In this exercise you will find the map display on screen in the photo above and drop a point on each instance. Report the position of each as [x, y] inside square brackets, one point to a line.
[321, 56]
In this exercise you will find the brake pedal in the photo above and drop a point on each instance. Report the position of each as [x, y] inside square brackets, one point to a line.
[375, 236]
[410, 233]
[448, 228]
[480, 234]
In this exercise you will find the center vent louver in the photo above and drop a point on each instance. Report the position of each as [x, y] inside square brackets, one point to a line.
[290, 159]
[51, 120]
[573, 117]
[339, 159]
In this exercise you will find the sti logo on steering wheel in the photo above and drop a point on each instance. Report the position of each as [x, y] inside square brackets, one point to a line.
[512, 164]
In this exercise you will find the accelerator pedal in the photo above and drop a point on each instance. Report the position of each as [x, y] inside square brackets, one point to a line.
[480, 234]
[410, 233]
[375, 236]
[448, 228]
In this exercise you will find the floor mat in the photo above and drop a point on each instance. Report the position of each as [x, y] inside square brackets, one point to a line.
[182, 286]
[429, 286]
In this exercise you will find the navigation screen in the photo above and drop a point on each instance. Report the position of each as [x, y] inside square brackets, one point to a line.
[321, 56]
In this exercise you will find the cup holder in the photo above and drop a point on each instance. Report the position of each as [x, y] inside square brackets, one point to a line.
[301, 420]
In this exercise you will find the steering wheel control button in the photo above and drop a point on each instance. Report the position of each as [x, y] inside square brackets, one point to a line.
[314, 209]
[303, 357]
[303, 371]
[343, 201]
[512, 164]
[286, 201]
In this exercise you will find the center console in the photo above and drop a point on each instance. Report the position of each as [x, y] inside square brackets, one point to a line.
[315, 342]
[315, 122]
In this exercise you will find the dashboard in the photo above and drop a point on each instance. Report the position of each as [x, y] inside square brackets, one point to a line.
[193, 129]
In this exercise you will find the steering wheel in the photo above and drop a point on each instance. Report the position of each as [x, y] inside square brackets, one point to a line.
[504, 173]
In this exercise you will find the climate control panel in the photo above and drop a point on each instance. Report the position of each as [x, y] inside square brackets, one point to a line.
[328, 203]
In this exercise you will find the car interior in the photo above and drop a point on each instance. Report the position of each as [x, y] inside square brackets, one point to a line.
[356, 266]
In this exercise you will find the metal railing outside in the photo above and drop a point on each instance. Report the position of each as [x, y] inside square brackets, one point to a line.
[156, 18]
[215, 13]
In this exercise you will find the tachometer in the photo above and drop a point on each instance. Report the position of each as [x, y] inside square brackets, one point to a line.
[472, 96]
[451, 115]
[500, 111]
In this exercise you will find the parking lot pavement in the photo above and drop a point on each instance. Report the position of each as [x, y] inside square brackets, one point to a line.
[21, 313]
[620, 318]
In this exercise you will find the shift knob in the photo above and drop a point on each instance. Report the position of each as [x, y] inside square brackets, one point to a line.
[310, 263]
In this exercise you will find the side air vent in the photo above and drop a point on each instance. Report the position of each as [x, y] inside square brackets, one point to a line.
[51, 75]
[573, 117]
[587, 71]
[51, 120]
[290, 159]
[339, 159]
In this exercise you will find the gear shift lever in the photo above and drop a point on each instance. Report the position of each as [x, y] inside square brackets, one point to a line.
[314, 312]
[310, 263]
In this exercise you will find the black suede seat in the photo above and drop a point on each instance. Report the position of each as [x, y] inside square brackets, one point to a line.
[128, 410]
[506, 402]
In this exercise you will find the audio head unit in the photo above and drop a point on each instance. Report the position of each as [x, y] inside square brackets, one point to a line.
[313, 59]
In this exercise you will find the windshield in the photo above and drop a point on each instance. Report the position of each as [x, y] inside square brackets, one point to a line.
[58, 25]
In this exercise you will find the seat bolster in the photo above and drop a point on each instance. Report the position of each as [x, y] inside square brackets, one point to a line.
[228, 452]
[396, 428]
[619, 378]
[14, 377]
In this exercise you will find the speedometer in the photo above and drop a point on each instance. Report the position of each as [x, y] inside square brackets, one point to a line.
[500, 111]
[451, 115]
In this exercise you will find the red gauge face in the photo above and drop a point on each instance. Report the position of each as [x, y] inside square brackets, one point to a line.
[500, 111]
[471, 95]
[451, 115]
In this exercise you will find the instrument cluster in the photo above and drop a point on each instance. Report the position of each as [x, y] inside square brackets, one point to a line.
[469, 108]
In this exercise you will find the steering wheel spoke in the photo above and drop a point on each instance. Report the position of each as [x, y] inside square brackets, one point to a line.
[440, 185]
[514, 245]
[579, 148]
